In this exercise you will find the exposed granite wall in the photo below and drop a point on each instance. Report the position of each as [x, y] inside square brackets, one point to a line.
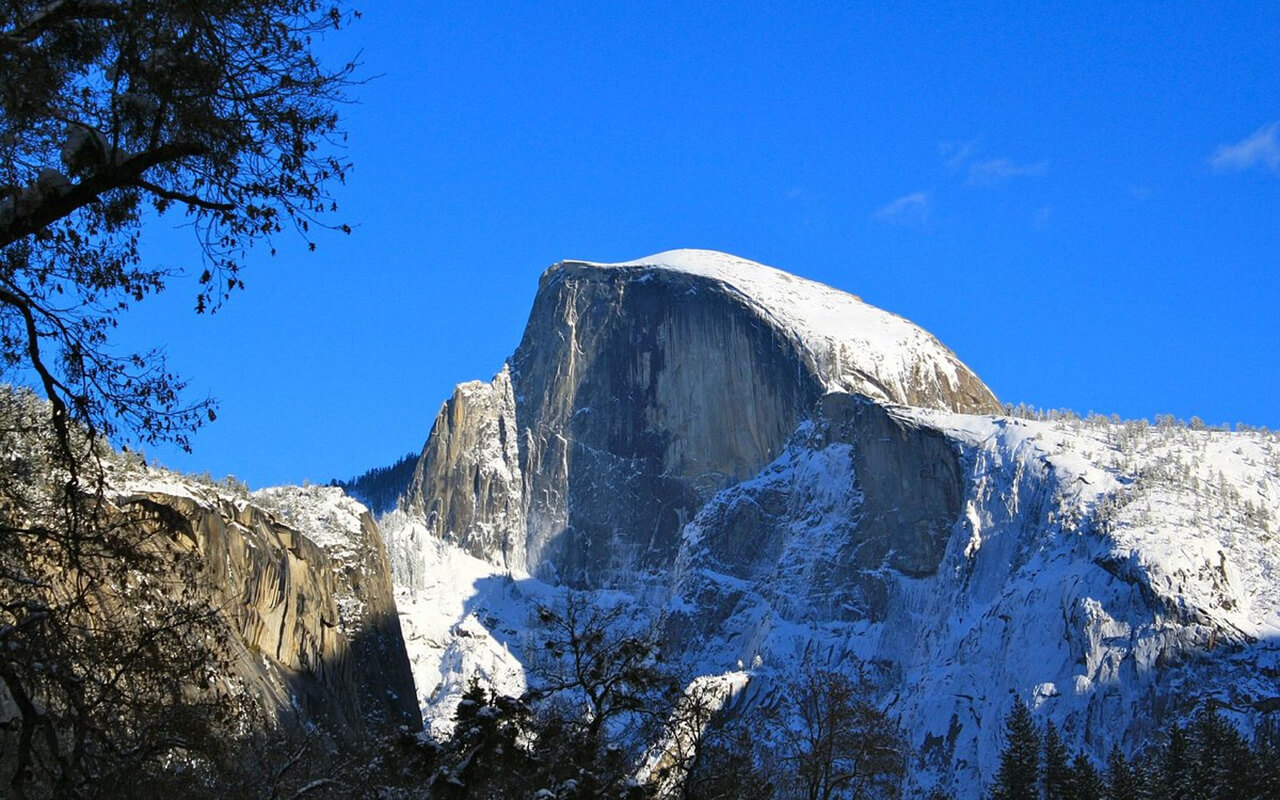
[467, 485]
[635, 395]
[317, 629]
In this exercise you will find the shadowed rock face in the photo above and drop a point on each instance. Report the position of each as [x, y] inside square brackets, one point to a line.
[316, 632]
[856, 492]
[636, 394]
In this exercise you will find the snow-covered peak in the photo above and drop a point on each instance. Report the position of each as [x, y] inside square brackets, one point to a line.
[854, 346]
[709, 263]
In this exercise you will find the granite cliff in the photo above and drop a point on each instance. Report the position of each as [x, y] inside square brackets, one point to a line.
[302, 579]
[638, 391]
[785, 476]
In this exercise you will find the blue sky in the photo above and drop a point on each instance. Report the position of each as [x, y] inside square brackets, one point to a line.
[1083, 203]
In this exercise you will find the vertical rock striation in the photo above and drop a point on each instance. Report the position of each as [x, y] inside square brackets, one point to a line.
[467, 487]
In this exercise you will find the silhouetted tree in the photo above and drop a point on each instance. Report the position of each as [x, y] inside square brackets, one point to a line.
[838, 743]
[1085, 782]
[1223, 761]
[1174, 766]
[111, 110]
[724, 766]
[1057, 766]
[488, 755]
[1018, 777]
[600, 694]
[1122, 780]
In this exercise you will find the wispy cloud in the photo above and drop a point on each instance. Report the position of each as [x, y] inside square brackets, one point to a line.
[954, 154]
[1262, 149]
[910, 210]
[999, 170]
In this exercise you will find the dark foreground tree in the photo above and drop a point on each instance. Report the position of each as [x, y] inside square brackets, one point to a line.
[113, 109]
[1086, 784]
[722, 763]
[601, 695]
[598, 695]
[110, 111]
[1123, 781]
[842, 745]
[1057, 766]
[110, 656]
[1019, 774]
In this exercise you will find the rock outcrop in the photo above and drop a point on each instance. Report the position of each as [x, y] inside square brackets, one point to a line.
[857, 497]
[467, 487]
[638, 391]
[302, 578]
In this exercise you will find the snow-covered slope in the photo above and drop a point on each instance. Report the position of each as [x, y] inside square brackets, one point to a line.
[1114, 576]
[786, 475]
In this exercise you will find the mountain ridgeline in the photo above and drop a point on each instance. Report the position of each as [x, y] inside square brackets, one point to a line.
[787, 478]
[380, 487]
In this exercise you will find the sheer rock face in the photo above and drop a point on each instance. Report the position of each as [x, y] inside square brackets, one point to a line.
[314, 613]
[637, 400]
[638, 391]
[467, 485]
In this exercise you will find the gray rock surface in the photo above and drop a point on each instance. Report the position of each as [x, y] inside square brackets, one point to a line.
[467, 486]
[639, 391]
[858, 496]
[314, 613]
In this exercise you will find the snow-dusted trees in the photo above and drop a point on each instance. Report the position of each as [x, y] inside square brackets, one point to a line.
[110, 110]
[1208, 758]
[600, 691]
[606, 719]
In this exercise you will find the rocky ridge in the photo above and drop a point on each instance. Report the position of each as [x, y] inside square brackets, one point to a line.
[641, 389]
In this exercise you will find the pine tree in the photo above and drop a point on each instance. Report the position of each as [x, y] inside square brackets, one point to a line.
[1085, 783]
[1266, 755]
[1122, 780]
[485, 757]
[1057, 766]
[1173, 777]
[1223, 762]
[1019, 773]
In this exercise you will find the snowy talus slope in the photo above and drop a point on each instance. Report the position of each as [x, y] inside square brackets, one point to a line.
[1114, 576]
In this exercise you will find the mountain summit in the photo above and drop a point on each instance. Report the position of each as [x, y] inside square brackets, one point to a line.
[791, 479]
[849, 345]
[640, 390]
